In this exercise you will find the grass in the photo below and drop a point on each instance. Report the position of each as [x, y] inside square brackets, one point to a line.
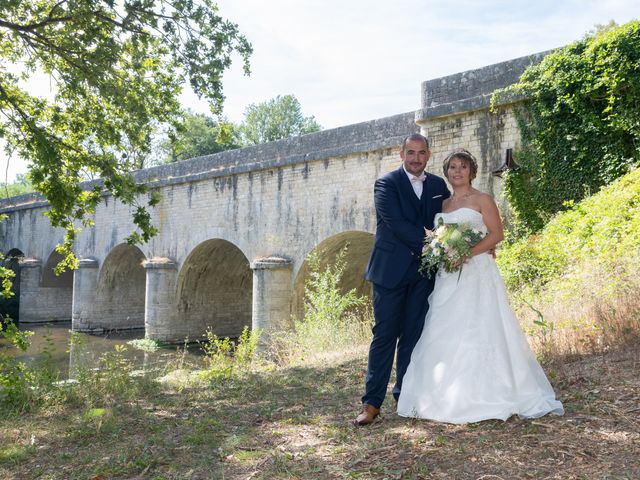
[294, 422]
[588, 310]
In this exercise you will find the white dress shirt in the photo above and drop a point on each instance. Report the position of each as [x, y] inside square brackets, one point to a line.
[417, 182]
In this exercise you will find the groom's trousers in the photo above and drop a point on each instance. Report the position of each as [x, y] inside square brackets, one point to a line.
[399, 319]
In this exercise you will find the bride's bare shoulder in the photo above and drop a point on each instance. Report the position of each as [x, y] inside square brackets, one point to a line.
[483, 197]
[487, 204]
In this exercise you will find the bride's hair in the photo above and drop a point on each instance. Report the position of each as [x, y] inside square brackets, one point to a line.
[466, 157]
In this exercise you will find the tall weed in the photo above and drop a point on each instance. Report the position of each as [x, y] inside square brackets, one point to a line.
[334, 321]
[588, 310]
[28, 387]
[224, 358]
[111, 383]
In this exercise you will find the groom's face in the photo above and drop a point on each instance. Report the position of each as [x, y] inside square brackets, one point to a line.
[415, 156]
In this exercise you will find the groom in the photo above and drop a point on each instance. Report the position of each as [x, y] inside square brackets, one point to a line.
[406, 201]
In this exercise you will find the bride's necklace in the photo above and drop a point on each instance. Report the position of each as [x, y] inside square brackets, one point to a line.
[459, 197]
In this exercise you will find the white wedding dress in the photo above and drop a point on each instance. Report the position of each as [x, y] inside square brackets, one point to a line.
[473, 361]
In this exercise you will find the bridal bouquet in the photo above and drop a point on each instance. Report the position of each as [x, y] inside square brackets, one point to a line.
[447, 247]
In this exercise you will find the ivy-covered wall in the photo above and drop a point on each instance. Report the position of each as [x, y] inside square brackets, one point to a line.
[580, 123]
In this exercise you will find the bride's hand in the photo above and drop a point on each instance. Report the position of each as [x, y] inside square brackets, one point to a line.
[459, 262]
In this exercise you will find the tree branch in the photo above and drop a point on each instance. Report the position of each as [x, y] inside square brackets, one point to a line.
[34, 26]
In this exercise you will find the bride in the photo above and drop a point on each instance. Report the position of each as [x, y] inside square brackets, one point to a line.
[473, 361]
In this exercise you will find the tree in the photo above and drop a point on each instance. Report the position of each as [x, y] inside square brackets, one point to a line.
[580, 123]
[21, 186]
[280, 117]
[199, 134]
[117, 69]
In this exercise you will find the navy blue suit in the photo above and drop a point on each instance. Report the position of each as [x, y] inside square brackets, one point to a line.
[400, 292]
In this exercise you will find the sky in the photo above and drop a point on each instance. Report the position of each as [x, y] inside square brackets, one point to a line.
[350, 61]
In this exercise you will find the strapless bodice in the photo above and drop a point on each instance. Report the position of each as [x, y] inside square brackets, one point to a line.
[463, 216]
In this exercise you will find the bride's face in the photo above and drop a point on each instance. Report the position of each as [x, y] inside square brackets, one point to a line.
[459, 172]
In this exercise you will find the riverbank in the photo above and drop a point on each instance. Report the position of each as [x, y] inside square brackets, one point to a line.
[294, 423]
[51, 346]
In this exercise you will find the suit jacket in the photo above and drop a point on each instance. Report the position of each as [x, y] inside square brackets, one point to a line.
[401, 218]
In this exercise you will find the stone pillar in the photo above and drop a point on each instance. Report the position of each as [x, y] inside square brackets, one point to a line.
[271, 295]
[159, 310]
[84, 311]
[30, 309]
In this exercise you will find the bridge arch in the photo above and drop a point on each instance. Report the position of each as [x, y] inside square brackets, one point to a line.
[14, 253]
[120, 294]
[358, 244]
[214, 290]
[51, 280]
[11, 306]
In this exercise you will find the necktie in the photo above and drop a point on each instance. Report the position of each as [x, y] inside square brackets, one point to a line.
[417, 183]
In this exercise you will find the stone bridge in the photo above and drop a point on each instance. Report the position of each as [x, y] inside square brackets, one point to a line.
[237, 226]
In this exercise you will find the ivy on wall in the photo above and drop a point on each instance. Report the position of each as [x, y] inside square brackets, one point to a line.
[579, 122]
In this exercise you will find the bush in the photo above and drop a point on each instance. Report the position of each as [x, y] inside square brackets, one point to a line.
[603, 228]
[574, 284]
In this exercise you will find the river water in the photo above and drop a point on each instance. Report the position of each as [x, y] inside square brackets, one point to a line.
[50, 344]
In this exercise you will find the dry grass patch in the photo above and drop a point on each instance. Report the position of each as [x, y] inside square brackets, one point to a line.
[296, 423]
[586, 311]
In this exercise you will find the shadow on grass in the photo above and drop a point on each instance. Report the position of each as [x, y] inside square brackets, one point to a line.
[295, 423]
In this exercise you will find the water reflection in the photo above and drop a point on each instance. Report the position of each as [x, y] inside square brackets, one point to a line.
[50, 345]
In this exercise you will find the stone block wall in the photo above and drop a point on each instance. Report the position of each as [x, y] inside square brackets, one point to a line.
[40, 304]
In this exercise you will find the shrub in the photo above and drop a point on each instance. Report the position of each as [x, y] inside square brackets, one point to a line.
[574, 284]
[603, 228]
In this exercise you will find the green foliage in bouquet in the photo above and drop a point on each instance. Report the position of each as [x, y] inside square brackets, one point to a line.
[447, 247]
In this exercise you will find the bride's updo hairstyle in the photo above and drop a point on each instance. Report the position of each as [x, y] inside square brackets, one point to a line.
[466, 157]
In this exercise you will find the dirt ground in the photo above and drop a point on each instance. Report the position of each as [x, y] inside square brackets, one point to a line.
[295, 424]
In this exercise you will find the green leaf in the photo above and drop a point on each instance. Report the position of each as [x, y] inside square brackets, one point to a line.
[117, 70]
